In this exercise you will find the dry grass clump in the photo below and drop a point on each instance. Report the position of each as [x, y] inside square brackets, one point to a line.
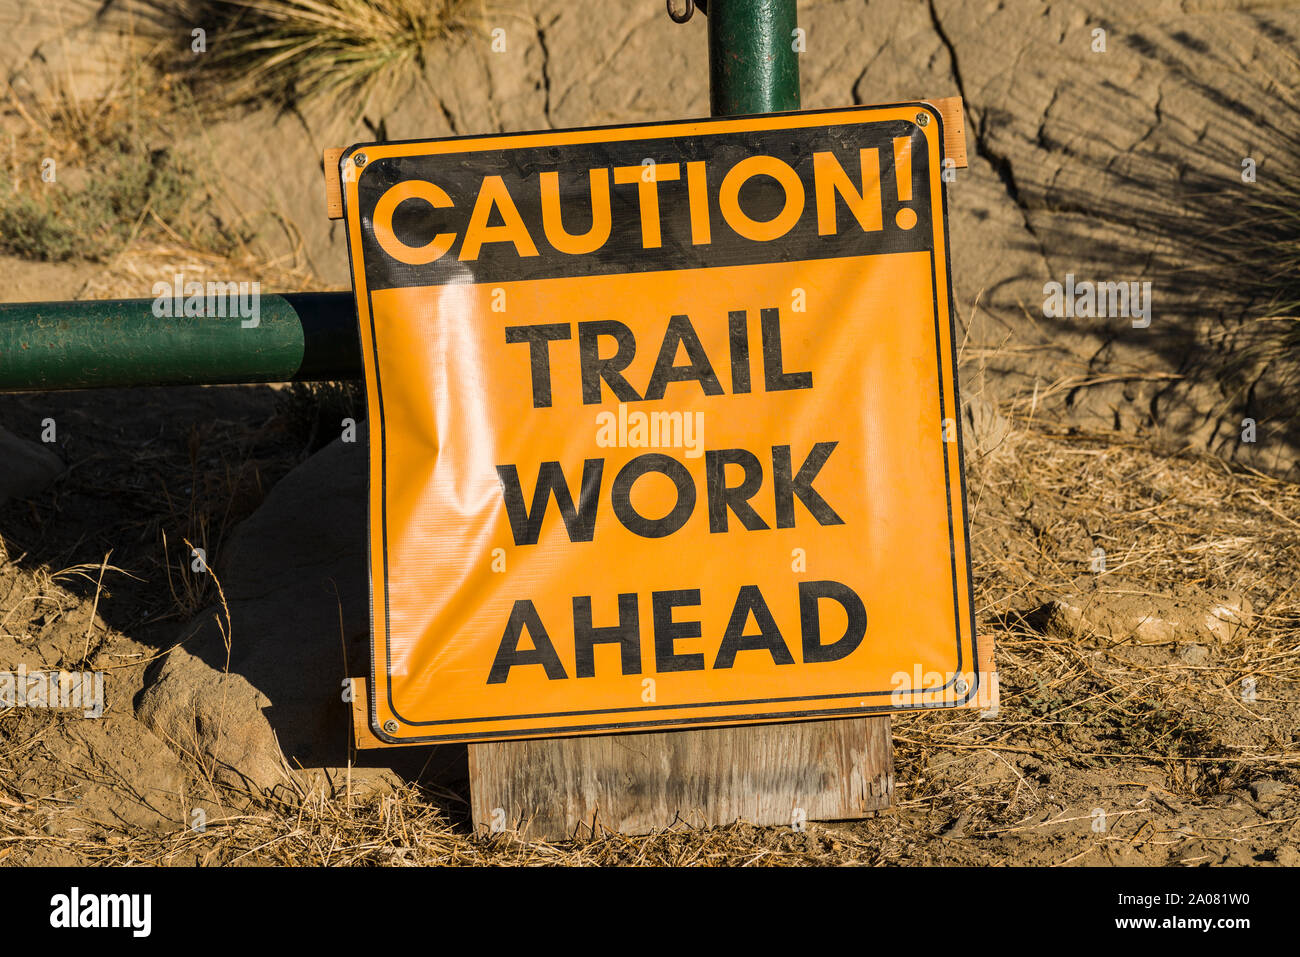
[119, 172]
[109, 174]
[91, 175]
[288, 51]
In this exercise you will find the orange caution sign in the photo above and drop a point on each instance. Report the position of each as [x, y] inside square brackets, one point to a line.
[664, 426]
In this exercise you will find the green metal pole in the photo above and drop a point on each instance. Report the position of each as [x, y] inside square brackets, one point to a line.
[94, 344]
[753, 66]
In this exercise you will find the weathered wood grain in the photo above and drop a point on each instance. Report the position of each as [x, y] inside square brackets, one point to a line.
[333, 184]
[558, 788]
[954, 129]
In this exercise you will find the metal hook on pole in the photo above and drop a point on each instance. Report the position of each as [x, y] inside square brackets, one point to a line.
[689, 10]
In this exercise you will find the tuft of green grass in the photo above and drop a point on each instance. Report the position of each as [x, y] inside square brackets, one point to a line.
[289, 51]
[110, 171]
[98, 219]
[117, 175]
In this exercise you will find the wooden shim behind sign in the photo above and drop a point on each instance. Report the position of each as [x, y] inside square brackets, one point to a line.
[333, 184]
[954, 129]
[776, 774]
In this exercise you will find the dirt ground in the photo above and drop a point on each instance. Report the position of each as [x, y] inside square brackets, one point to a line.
[1113, 742]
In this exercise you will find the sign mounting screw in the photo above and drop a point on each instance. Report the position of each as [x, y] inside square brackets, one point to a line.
[961, 687]
[390, 726]
[922, 119]
[359, 159]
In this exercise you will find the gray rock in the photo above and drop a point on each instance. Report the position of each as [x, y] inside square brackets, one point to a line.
[214, 717]
[984, 431]
[295, 580]
[1266, 789]
[1193, 654]
[26, 467]
[1131, 612]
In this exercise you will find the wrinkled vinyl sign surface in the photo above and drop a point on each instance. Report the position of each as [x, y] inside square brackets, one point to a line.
[663, 425]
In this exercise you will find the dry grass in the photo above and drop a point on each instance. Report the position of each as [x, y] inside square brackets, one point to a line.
[109, 172]
[1085, 721]
[403, 828]
[95, 177]
[120, 174]
[1165, 519]
[134, 270]
[290, 51]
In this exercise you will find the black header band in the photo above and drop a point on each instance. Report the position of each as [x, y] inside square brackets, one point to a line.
[643, 205]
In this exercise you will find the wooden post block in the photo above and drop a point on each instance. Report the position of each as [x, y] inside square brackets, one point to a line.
[333, 185]
[987, 697]
[776, 774]
[361, 733]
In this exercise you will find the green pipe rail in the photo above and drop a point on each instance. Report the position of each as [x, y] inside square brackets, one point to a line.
[304, 337]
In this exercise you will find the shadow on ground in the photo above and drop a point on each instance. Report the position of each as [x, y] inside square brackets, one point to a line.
[1206, 206]
[152, 472]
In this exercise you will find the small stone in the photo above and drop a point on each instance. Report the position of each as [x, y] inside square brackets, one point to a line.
[984, 430]
[1266, 789]
[1193, 654]
[956, 828]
